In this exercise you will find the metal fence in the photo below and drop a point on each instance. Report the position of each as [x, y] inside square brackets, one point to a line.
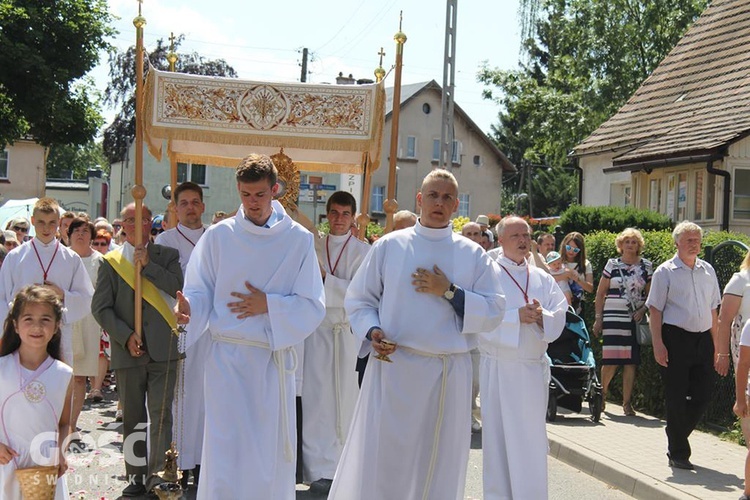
[726, 258]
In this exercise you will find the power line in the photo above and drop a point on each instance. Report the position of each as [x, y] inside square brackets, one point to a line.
[342, 26]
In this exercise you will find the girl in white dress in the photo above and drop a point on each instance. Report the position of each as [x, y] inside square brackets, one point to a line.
[35, 390]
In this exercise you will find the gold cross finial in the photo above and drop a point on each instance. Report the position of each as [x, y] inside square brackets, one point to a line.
[171, 41]
[400, 18]
[140, 4]
[381, 54]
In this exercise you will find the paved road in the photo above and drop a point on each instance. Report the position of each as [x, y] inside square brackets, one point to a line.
[99, 473]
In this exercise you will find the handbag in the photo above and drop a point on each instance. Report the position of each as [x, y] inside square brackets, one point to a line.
[643, 331]
[642, 327]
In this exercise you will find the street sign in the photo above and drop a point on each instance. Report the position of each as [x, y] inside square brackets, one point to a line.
[320, 187]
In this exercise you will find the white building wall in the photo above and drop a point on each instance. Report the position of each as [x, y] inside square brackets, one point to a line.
[482, 183]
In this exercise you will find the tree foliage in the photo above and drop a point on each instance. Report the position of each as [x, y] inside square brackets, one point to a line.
[67, 159]
[580, 64]
[121, 88]
[46, 47]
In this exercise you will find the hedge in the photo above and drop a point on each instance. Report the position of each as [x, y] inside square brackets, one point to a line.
[589, 219]
[648, 393]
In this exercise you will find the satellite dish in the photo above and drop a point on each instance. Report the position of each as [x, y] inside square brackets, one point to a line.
[166, 192]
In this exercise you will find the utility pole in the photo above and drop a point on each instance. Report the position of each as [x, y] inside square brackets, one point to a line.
[303, 76]
[449, 82]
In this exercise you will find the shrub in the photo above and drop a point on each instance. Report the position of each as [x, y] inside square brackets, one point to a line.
[589, 219]
[459, 222]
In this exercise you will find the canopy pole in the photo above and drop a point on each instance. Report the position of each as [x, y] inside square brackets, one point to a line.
[172, 207]
[363, 220]
[138, 191]
[390, 206]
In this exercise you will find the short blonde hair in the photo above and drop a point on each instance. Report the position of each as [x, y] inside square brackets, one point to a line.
[629, 232]
[685, 226]
[440, 174]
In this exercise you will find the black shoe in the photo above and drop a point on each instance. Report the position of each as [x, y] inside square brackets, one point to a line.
[321, 486]
[681, 463]
[134, 490]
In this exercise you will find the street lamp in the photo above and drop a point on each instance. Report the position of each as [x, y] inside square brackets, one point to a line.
[520, 200]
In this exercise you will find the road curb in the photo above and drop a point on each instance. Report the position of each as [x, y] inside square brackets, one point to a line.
[616, 474]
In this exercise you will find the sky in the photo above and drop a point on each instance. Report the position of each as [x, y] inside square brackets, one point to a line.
[262, 40]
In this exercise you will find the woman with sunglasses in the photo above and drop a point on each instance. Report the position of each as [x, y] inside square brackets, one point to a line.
[579, 273]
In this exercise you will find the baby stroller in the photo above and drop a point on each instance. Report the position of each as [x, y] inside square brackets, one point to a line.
[573, 371]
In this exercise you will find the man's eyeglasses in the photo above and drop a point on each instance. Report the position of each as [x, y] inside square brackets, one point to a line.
[20, 229]
[99, 244]
[569, 248]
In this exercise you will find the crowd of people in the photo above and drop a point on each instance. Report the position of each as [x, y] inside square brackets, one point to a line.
[253, 329]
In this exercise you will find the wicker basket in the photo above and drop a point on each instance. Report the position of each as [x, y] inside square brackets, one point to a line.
[38, 483]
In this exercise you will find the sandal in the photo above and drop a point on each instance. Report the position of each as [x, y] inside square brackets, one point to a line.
[628, 410]
[96, 396]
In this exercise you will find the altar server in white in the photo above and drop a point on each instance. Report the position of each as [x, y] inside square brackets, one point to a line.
[254, 281]
[430, 291]
[44, 260]
[514, 374]
[189, 407]
[330, 386]
[35, 392]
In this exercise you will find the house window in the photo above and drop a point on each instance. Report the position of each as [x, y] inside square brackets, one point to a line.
[436, 150]
[682, 187]
[378, 197]
[741, 193]
[193, 172]
[3, 164]
[477, 161]
[710, 205]
[698, 198]
[411, 147]
[654, 196]
[456, 153]
[463, 205]
[704, 200]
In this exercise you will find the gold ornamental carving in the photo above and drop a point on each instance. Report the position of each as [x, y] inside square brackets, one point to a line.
[288, 179]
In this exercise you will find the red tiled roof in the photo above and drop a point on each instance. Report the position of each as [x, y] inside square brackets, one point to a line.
[695, 102]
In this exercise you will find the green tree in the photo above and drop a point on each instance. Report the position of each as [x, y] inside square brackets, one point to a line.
[69, 159]
[581, 62]
[46, 47]
[121, 88]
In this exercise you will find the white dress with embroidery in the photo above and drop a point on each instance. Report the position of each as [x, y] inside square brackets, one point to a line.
[29, 420]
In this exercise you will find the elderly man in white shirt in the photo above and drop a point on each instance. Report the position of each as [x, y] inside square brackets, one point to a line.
[683, 303]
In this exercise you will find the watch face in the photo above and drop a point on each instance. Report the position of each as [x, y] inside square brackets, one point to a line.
[449, 294]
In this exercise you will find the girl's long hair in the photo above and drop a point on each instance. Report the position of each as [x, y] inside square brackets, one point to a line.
[32, 294]
[580, 258]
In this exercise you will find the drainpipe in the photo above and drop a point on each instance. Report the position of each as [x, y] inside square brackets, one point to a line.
[727, 187]
[580, 180]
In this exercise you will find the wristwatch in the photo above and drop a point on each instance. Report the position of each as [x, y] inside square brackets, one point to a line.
[450, 292]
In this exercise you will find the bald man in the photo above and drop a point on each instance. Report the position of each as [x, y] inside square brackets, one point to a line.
[403, 219]
[473, 231]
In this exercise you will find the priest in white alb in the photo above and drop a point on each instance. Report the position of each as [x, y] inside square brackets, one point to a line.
[421, 296]
[254, 281]
[330, 390]
[188, 403]
[45, 260]
[514, 372]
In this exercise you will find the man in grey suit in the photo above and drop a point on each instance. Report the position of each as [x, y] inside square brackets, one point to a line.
[145, 365]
